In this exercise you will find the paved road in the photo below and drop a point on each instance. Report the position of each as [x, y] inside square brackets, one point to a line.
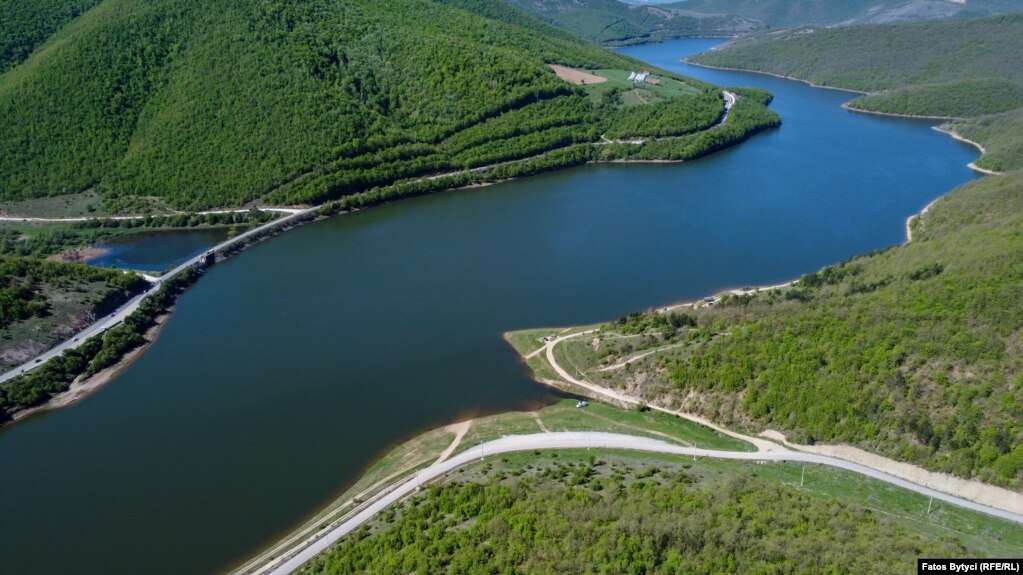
[729, 102]
[125, 310]
[588, 440]
[121, 218]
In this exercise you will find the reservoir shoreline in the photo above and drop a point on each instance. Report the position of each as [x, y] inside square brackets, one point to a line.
[307, 358]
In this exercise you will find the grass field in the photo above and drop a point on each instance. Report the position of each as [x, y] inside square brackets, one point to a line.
[81, 205]
[564, 416]
[633, 95]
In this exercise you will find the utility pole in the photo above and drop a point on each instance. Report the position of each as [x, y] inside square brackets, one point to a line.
[929, 502]
[802, 475]
[694, 452]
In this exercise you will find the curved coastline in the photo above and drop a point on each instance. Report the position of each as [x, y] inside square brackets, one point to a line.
[957, 136]
[92, 384]
[846, 106]
[83, 388]
[80, 388]
[773, 75]
[972, 165]
[903, 473]
[847, 463]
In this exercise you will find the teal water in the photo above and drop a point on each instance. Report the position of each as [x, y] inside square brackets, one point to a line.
[288, 369]
[157, 251]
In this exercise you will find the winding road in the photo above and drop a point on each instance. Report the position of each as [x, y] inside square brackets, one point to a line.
[584, 440]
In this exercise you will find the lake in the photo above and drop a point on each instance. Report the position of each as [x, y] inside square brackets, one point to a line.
[288, 369]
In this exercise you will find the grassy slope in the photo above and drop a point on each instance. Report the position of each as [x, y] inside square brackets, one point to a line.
[915, 352]
[960, 68]
[583, 512]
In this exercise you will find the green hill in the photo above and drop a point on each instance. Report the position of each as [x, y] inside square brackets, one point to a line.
[213, 104]
[956, 68]
[193, 104]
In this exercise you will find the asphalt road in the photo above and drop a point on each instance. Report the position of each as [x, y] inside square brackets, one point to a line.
[587, 440]
[125, 310]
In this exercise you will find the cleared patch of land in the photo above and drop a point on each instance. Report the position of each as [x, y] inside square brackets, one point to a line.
[657, 88]
[576, 76]
[81, 205]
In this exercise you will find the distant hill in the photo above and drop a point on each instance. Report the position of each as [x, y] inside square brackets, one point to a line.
[633, 21]
[791, 13]
[955, 68]
[613, 22]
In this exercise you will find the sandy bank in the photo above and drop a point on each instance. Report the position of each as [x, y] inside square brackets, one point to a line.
[80, 255]
[83, 387]
[972, 165]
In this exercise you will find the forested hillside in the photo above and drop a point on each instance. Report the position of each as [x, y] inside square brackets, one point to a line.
[955, 69]
[915, 352]
[25, 25]
[208, 105]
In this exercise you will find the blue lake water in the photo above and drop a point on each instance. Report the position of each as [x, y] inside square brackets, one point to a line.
[288, 369]
[157, 251]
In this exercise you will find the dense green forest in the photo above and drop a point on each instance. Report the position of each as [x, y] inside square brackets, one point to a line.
[567, 515]
[207, 105]
[957, 69]
[25, 25]
[913, 352]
